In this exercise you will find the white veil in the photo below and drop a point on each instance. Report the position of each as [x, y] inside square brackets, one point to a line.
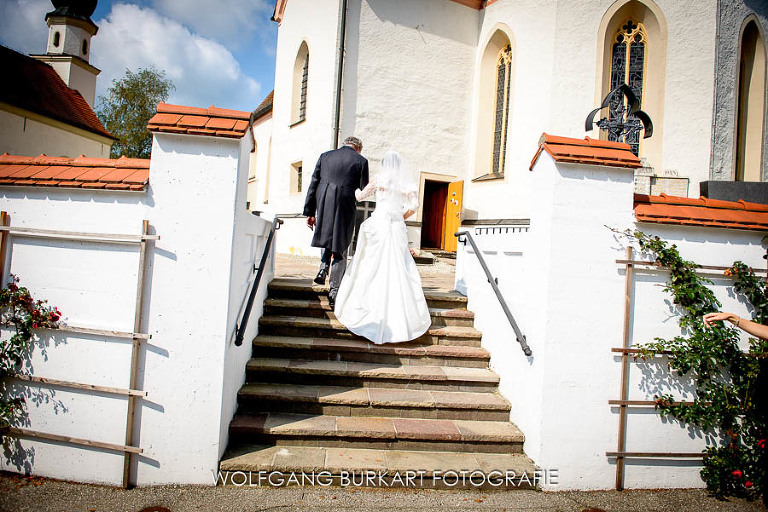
[395, 178]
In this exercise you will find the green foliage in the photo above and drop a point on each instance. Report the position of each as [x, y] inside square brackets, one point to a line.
[725, 377]
[21, 315]
[128, 106]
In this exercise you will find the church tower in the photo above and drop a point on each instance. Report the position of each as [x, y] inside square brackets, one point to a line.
[70, 29]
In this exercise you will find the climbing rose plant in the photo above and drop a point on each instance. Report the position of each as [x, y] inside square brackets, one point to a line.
[725, 377]
[20, 315]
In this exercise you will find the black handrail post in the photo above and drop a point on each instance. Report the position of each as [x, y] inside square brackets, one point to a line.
[494, 284]
[247, 313]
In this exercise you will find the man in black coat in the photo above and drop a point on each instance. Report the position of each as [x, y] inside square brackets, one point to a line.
[330, 207]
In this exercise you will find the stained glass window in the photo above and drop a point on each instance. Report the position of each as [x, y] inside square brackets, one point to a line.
[627, 66]
[501, 114]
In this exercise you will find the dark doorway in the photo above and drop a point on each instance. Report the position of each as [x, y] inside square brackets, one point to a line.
[433, 218]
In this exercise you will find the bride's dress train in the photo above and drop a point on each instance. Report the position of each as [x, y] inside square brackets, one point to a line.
[380, 296]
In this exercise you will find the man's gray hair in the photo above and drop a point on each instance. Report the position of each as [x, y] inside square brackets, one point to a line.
[354, 141]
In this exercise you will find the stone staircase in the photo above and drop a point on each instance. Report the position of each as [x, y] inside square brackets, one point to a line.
[319, 398]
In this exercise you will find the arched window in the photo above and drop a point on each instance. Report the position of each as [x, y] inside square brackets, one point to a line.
[56, 39]
[751, 105]
[628, 67]
[633, 50]
[300, 83]
[85, 47]
[495, 89]
[501, 112]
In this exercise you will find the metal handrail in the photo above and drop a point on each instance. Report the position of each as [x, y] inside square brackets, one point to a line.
[259, 271]
[494, 284]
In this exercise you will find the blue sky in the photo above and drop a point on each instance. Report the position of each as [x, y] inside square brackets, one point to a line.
[217, 52]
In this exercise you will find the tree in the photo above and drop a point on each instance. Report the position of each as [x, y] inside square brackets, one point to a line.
[128, 106]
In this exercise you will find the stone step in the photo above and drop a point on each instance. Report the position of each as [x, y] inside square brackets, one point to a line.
[354, 374]
[331, 328]
[287, 347]
[380, 402]
[399, 468]
[305, 289]
[319, 308]
[378, 433]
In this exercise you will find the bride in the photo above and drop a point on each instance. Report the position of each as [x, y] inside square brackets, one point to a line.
[380, 296]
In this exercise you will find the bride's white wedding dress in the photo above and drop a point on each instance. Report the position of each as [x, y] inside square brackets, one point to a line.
[380, 296]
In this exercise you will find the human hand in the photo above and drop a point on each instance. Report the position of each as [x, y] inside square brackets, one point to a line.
[311, 223]
[358, 194]
[717, 317]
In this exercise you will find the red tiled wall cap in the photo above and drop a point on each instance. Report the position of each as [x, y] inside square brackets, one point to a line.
[586, 151]
[81, 172]
[664, 209]
[211, 121]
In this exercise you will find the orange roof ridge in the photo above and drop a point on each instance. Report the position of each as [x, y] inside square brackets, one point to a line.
[586, 151]
[212, 121]
[701, 202]
[212, 111]
[702, 212]
[81, 172]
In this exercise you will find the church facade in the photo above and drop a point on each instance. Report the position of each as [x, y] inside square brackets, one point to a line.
[464, 90]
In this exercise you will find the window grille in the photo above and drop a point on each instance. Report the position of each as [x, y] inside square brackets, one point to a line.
[303, 100]
[501, 114]
[628, 66]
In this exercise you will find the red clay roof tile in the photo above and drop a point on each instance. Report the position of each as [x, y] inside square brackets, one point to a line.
[706, 212]
[34, 86]
[586, 151]
[81, 172]
[212, 121]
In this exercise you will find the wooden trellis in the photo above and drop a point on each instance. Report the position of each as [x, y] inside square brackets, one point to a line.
[623, 402]
[132, 393]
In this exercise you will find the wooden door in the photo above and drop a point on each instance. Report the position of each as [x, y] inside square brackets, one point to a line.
[433, 216]
[453, 207]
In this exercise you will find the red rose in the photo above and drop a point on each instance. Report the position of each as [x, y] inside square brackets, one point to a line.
[736, 473]
[748, 484]
[12, 287]
[761, 444]
[34, 325]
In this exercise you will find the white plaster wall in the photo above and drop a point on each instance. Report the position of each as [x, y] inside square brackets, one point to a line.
[24, 136]
[530, 26]
[196, 280]
[248, 243]
[260, 162]
[566, 292]
[408, 81]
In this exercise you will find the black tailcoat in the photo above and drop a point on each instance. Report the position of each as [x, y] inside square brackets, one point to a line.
[331, 197]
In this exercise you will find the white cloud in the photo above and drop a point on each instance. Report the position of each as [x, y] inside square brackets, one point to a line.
[234, 23]
[203, 71]
[22, 24]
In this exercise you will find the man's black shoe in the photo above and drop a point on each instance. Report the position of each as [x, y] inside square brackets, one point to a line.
[332, 298]
[321, 276]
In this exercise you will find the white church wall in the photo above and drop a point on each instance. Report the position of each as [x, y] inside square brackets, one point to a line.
[408, 81]
[194, 287]
[27, 134]
[315, 23]
[556, 84]
[566, 292]
[530, 26]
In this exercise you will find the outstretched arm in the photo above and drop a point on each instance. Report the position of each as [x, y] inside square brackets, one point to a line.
[369, 189]
[753, 328]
